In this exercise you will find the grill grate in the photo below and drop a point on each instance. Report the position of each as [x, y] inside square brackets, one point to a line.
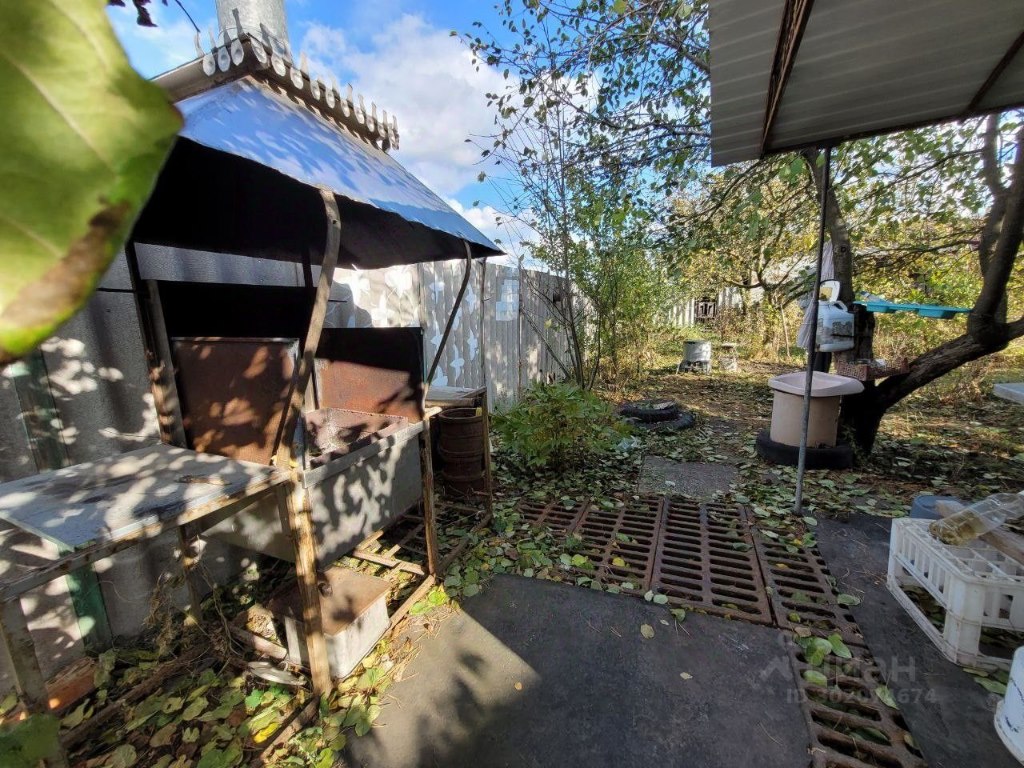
[850, 726]
[705, 559]
[801, 592]
[620, 542]
[555, 515]
[699, 555]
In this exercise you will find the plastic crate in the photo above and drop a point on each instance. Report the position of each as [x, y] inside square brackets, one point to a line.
[977, 586]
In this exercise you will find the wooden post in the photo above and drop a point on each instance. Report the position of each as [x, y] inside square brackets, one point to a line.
[161, 377]
[187, 541]
[485, 411]
[163, 374]
[28, 679]
[293, 502]
[429, 516]
[303, 371]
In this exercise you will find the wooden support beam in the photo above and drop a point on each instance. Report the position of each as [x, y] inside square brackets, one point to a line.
[791, 31]
[418, 594]
[388, 562]
[28, 679]
[304, 369]
[485, 410]
[429, 514]
[995, 74]
[188, 542]
[294, 503]
[161, 374]
[39, 411]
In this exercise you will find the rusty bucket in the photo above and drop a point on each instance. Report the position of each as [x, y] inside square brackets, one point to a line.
[461, 445]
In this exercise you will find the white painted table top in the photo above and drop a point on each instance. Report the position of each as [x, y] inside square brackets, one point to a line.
[103, 501]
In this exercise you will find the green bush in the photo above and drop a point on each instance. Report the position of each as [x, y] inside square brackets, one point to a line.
[558, 426]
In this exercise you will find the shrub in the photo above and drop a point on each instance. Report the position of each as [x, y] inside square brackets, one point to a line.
[558, 425]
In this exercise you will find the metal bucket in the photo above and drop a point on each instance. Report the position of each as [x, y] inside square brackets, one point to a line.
[461, 446]
[696, 357]
[697, 352]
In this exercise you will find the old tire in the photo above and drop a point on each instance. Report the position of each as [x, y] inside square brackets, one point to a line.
[658, 409]
[685, 420]
[839, 457]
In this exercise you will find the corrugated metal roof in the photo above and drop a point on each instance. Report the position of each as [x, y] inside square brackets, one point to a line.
[862, 67]
[247, 119]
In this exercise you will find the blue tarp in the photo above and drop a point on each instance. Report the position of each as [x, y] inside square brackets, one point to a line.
[249, 120]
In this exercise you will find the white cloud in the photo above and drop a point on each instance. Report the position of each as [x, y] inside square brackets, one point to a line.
[511, 234]
[170, 43]
[427, 78]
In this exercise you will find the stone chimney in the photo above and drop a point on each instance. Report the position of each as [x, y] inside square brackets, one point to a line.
[245, 17]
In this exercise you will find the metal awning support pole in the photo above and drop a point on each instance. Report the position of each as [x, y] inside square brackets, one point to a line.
[801, 468]
[455, 310]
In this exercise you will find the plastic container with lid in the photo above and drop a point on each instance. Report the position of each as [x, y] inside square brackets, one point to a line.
[788, 408]
[978, 519]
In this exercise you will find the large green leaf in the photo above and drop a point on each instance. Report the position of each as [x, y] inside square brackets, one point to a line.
[83, 138]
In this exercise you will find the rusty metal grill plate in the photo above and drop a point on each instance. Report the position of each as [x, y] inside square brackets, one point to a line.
[847, 721]
[705, 559]
[801, 589]
[699, 555]
[621, 541]
[554, 515]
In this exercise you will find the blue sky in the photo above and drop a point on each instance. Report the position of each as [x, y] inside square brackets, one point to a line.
[397, 53]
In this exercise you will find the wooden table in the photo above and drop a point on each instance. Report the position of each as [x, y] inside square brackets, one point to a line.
[90, 511]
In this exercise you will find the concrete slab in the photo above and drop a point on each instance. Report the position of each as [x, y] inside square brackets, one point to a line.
[1012, 392]
[949, 714]
[699, 481]
[534, 673]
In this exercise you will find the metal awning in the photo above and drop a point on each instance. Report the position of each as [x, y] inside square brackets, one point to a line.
[787, 74]
[250, 120]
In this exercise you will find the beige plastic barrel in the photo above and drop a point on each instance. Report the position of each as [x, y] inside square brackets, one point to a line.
[827, 390]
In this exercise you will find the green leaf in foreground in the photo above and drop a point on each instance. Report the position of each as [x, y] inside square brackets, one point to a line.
[992, 686]
[885, 696]
[26, 743]
[839, 647]
[814, 677]
[845, 599]
[84, 138]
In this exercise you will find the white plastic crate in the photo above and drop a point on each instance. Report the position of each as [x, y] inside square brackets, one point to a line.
[977, 585]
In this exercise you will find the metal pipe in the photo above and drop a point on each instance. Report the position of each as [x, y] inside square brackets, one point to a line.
[801, 468]
[451, 317]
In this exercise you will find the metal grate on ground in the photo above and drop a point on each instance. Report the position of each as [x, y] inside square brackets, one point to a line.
[802, 594]
[555, 515]
[699, 555]
[620, 542]
[850, 726]
[705, 558]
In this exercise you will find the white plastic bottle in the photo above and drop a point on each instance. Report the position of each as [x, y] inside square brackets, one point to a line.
[978, 519]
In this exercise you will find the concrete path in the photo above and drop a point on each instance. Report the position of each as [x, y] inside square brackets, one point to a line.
[949, 714]
[534, 673]
[698, 481]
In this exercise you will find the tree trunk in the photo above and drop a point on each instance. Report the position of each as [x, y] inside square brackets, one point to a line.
[987, 329]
